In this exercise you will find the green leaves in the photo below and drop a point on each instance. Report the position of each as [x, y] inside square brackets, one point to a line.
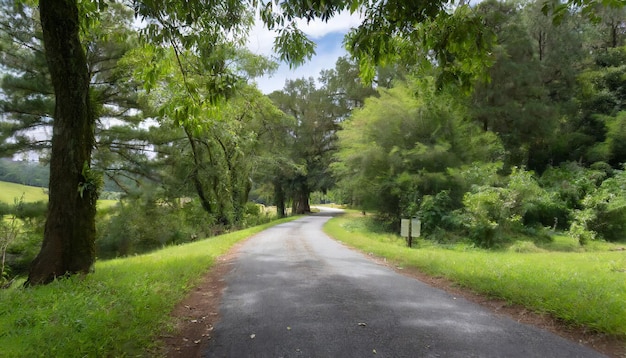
[399, 147]
[293, 46]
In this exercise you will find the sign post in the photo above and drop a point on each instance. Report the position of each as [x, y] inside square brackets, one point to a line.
[410, 228]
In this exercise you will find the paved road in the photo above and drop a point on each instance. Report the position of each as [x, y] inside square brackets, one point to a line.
[294, 292]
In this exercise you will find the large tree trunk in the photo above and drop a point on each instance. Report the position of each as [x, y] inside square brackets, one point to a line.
[69, 236]
[279, 198]
[195, 174]
[301, 200]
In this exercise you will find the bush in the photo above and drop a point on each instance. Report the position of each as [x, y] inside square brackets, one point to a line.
[21, 233]
[34, 210]
[438, 216]
[572, 182]
[493, 213]
[142, 225]
[604, 212]
[485, 215]
[26, 246]
[5, 209]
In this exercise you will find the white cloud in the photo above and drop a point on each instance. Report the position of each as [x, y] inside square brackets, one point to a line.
[328, 37]
[261, 39]
[341, 23]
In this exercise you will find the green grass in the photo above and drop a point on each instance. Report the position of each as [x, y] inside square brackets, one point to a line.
[106, 204]
[9, 192]
[118, 311]
[582, 288]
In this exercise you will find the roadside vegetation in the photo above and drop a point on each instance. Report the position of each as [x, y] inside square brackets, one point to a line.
[127, 226]
[582, 286]
[128, 298]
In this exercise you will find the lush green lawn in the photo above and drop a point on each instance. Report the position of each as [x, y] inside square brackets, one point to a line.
[9, 192]
[583, 288]
[106, 203]
[116, 312]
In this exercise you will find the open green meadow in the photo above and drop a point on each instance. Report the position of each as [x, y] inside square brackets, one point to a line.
[118, 311]
[10, 192]
[585, 288]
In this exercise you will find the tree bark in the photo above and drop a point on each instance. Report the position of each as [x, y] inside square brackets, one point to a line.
[279, 198]
[301, 200]
[69, 237]
[195, 175]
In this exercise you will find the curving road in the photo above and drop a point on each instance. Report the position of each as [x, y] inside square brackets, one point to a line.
[294, 292]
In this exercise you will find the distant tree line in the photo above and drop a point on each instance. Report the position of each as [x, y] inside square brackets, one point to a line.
[537, 145]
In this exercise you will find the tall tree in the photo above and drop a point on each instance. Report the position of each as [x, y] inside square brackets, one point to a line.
[28, 97]
[68, 244]
[312, 138]
[28, 101]
[399, 147]
[514, 103]
[69, 237]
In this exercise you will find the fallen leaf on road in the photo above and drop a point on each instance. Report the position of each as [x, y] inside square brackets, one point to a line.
[252, 336]
[374, 351]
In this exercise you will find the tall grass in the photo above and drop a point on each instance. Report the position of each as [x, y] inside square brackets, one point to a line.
[582, 288]
[118, 311]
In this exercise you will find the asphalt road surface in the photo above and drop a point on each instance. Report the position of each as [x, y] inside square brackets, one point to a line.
[294, 292]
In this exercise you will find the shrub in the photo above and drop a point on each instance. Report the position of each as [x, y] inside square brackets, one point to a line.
[25, 211]
[572, 182]
[492, 213]
[485, 215]
[604, 212]
[438, 215]
[144, 224]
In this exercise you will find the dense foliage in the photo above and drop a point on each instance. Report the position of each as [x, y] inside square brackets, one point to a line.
[536, 148]
[490, 122]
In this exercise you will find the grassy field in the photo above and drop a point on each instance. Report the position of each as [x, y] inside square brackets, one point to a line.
[118, 311]
[582, 288]
[9, 192]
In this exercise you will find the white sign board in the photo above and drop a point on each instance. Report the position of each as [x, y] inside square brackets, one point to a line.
[404, 227]
[416, 227]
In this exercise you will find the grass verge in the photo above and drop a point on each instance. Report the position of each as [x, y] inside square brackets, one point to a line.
[582, 288]
[118, 311]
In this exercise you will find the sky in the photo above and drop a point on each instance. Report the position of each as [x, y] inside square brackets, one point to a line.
[328, 37]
